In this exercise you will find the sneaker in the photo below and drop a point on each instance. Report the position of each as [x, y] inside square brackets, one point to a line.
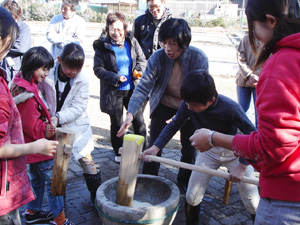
[41, 216]
[117, 159]
[68, 222]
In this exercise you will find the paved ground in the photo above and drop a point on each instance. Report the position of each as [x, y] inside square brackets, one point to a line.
[219, 45]
[80, 210]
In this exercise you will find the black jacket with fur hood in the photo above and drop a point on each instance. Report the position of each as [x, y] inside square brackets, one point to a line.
[105, 68]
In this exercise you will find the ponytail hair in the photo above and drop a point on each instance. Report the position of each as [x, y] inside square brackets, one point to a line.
[287, 24]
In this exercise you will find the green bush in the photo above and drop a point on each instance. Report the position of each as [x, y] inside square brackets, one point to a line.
[195, 22]
[38, 12]
[101, 18]
[130, 18]
[219, 22]
[88, 15]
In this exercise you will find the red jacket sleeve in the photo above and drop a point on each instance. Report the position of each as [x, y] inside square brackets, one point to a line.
[276, 140]
[4, 116]
[34, 127]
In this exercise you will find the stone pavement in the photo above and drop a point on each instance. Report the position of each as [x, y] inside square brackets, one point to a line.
[80, 210]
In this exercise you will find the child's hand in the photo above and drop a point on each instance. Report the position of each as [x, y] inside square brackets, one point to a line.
[200, 140]
[54, 120]
[169, 120]
[45, 147]
[238, 173]
[153, 150]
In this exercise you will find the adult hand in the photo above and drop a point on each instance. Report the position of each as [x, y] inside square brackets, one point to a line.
[45, 147]
[137, 74]
[238, 173]
[200, 140]
[123, 79]
[153, 150]
[125, 125]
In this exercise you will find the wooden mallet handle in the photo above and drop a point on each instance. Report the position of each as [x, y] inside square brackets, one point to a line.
[188, 166]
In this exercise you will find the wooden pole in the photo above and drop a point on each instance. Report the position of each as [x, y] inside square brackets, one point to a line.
[242, 16]
[228, 186]
[61, 162]
[129, 168]
[213, 172]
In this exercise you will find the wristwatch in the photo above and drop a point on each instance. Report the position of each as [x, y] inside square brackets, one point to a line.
[210, 141]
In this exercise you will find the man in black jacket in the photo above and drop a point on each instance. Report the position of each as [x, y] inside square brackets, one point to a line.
[146, 26]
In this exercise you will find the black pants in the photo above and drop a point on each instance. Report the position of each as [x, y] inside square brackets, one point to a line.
[158, 122]
[116, 120]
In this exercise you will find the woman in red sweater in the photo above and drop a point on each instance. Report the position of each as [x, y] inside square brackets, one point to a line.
[274, 148]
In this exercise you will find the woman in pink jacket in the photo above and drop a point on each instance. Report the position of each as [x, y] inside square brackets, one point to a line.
[15, 189]
[274, 148]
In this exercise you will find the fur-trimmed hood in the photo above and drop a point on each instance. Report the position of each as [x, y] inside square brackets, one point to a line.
[20, 89]
[22, 97]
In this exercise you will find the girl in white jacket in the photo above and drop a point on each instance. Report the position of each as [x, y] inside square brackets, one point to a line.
[66, 91]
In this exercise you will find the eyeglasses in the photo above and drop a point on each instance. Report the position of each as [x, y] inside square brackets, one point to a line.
[66, 8]
[152, 7]
[114, 30]
[170, 43]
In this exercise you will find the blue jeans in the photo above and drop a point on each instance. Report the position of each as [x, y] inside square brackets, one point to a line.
[244, 98]
[275, 212]
[40, 177]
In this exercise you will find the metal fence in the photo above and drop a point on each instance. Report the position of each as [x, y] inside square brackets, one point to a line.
[192, 8]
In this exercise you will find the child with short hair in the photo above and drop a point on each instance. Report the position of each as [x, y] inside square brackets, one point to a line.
[66, 91]
[206, 108]
[36, 124]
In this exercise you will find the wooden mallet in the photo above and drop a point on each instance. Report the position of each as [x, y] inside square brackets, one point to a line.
[61, 162]
[129, 168]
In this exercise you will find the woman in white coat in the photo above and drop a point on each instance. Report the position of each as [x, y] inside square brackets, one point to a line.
[66, 91]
